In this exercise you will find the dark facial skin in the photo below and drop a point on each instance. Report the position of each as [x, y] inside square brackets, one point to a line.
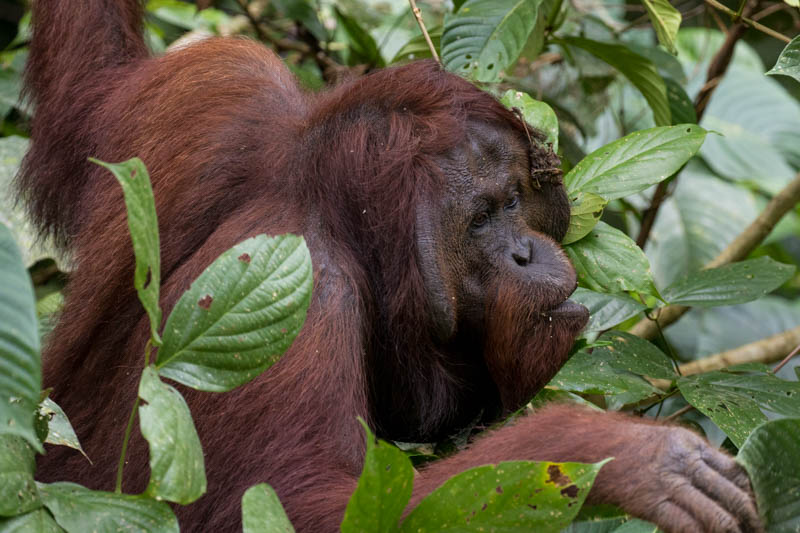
[496, 278]
[499, 224]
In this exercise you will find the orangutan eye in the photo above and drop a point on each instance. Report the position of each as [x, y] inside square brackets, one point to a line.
[512, 202]
[480, 219]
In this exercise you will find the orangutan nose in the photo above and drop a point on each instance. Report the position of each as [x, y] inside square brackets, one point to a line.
[523, 252]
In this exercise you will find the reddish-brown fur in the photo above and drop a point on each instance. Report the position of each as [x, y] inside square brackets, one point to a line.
[234, 149]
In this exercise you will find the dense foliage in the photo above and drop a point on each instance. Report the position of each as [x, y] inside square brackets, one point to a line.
[681, 162]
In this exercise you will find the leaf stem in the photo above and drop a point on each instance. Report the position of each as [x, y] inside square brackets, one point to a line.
[118, 489]
[680, 412]
[124, 452]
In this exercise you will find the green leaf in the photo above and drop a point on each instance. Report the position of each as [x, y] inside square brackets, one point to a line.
[606, 310]
[417, 47]
[482, 39]
[78, 509]
[538, 114]
[239, 316]
[304, 12]
[143, 225]
[607, 260]
[735, 401]
[184, 15]
[593, 374]
[12, 211]
[177, 472]
[703, 332]
[47, 311]
[262, 511]
[20, 361]
[680, 105]
[637, 526]
[771, 455]
[363, 48]
[548, 395]
[59, 430]
[687, 234]
[595, 525]
[666, 21]
[788, 63]
[585, 211]
[38, 521]
[632, 354]
[18, 492]
[640, 71]
[510, 496]
[736, 283]
[635, 162]
[383, 490]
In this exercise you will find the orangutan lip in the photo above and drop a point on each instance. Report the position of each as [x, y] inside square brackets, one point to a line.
[568, 309]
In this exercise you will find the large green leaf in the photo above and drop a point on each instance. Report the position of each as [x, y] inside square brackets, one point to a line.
[177, 471]
[20, 361]
[788, 63]
[585, 211]
[640, 71]
[666, 20]
[730, 284]
[593, 374]
[771, 455]
[632, 354]
[606, 310]
[143, 225]
[735, 401]
[636, 161]
[239, 316]
[262, 511]
[607, 260]
[383, 490]
[538, 114]
[79, 510]
[511, 496]
[482, 38]
[38, 521]
[18, 492]
[760, 126]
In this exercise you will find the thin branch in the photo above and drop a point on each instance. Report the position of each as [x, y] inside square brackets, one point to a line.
[737, 250]
[786, 359]
[767, 11]
[418, 16]
[679, 413]
[750, 22]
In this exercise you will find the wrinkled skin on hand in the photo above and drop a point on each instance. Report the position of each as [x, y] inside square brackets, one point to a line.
[686, 485]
